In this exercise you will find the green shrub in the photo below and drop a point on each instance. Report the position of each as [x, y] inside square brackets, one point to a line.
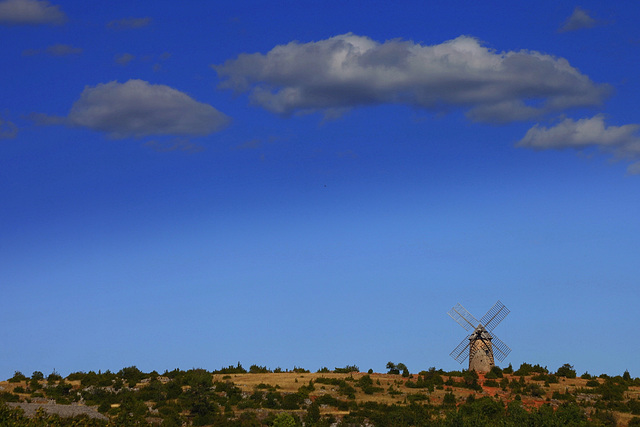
[347, 369]
[449, 399]
[17, 377]
[53, 377]
[5, 396]
[566, 371]
[494, 373]
[526, 369]
[417, 397]
[563, 396]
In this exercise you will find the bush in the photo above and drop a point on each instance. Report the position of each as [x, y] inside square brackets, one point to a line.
[346, 390]
[563, 396]
[53, 377]
[526, 369]
[449, 399]
[347, 369]
[634, 406]
[392, 368]
[533, 390]
[17, 377]
[5, 396]
[284, 420]
[232, 370]
[417, 397]
[566, 371]
[496, 371]
[366, 384]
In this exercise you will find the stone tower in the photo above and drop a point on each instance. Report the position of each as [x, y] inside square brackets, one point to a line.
[482, 345]
[480, 350]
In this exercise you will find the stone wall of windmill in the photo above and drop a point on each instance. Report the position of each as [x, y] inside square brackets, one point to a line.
[482, 346]
[480, 351]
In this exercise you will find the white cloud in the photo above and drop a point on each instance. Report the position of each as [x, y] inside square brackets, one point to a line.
[124, 59]
[137, 108]
[623, 141]
[579, 134]
[8, 130]
[129, 23]
[55, 50]
[30, 12]
[348, 71]
[578, 20]
[63, 50]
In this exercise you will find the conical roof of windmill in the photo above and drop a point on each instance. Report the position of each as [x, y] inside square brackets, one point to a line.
[481, 333]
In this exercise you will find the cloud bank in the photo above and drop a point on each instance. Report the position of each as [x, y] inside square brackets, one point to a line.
[623, 141]
[30, 12]
[348, 71]
[137, 108]
[578, 20]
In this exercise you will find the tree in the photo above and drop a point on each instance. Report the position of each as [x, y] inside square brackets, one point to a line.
[313, 414]
[402, 367]
[567, 371]
[347, 369]
[17, 377]
[449, 399]
[393, 369]
[53, 377]
[284, 420]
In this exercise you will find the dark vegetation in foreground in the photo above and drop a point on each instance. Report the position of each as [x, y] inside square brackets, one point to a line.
[233, 396]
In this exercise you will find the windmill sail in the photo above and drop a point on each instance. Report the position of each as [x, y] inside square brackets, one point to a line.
[482, 345]
[463, 317]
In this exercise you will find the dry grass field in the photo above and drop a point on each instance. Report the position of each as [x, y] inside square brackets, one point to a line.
[390, 390]
[290, 382]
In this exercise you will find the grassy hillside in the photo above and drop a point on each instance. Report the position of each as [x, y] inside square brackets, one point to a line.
[234, 397]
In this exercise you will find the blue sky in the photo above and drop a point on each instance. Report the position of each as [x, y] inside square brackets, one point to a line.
[289, 183]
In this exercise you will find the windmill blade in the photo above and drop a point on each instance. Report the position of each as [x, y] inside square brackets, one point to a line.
[500, 349]
[463, 317]
[461, 351]
[494, 316]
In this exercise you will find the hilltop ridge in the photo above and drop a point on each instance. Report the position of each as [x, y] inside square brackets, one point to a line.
[259, 396]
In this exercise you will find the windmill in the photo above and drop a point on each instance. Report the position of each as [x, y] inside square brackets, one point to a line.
[482, 345]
